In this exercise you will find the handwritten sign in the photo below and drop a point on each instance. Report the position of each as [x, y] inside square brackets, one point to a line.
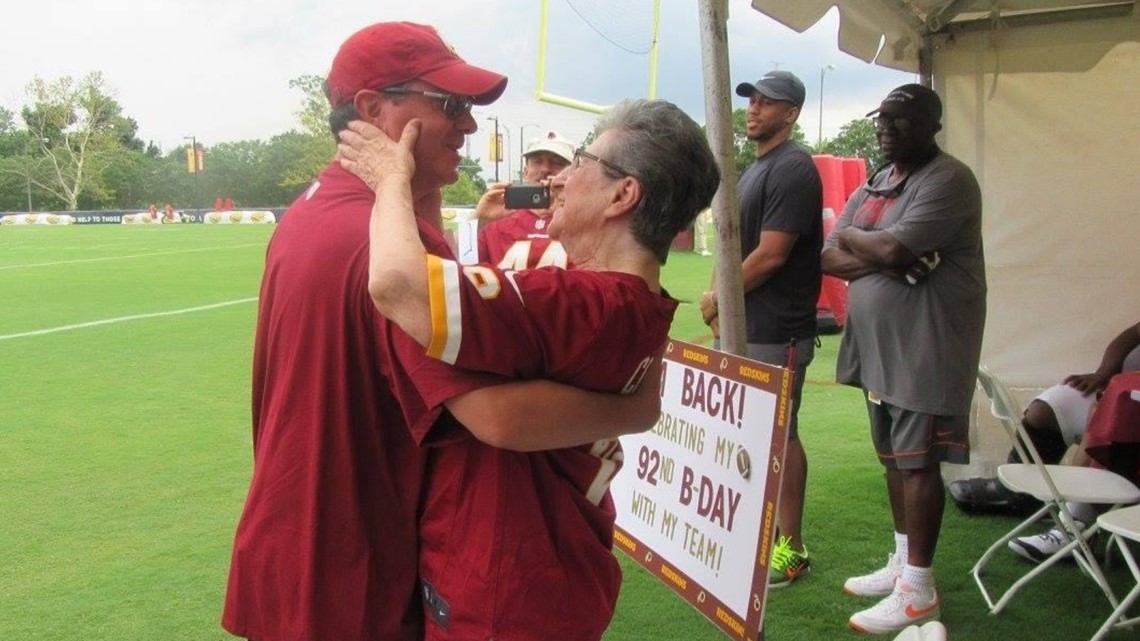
[696, 498]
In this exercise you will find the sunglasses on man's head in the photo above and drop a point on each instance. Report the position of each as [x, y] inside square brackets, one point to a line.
[454, 107]
[900, 124]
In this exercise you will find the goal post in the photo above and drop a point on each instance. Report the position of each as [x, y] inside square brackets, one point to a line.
[574, 103]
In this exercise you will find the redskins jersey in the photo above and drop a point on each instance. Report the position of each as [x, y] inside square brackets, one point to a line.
[520, 241]
[518, 545]
[326, 545]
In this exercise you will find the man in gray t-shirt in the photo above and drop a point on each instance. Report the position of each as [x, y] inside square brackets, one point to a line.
[910, 242]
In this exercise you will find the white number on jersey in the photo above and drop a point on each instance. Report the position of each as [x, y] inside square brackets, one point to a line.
[515, 258]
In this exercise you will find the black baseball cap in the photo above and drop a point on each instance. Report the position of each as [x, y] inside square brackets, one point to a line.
[917, 102]
[777, 85]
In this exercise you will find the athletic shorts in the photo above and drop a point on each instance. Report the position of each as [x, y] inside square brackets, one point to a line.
[777, 354]
[906, 440]
[1071, 408]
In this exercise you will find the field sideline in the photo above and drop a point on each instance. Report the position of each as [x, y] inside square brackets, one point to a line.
[125, 456]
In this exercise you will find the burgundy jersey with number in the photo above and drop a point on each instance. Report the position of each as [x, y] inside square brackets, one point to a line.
[520, 241]
[326, 545]
[518, 545]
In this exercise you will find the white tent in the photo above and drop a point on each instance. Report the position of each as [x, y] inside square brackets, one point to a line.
[1042, 100]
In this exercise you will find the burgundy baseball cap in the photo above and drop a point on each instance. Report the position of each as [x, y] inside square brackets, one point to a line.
[391, 53]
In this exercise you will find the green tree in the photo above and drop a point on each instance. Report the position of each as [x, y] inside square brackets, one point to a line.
[13, 143]
[314, 112]
[313, 146]
[473, 168]
[463, 192]
[75, 130]
[856, 139]
[295, 159]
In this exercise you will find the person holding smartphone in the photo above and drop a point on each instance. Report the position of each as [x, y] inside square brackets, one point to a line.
[516, 235]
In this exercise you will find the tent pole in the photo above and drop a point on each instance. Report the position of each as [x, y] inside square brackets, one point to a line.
[718, 123]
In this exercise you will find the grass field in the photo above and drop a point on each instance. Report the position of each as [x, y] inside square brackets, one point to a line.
[125, 456]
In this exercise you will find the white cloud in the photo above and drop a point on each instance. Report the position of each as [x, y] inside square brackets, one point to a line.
[219, 69]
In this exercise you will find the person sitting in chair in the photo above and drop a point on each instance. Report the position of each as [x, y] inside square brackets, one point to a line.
[1057, 419]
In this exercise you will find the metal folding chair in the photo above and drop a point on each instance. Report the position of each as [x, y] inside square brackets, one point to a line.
[1053, 485]
[1124, 526]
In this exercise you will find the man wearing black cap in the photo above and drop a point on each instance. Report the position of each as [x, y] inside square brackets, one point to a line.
[781, 234]
[910, 243]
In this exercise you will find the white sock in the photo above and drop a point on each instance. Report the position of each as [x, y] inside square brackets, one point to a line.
[1082, 512]
[920, 579]
[900, 548]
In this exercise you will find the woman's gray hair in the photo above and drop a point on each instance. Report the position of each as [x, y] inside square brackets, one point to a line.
[668, 153]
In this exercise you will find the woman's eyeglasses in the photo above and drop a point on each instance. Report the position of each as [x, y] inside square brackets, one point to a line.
[580, 153]
[454, 107]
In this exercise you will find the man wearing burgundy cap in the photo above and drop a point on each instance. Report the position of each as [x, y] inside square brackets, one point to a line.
[910, 243]
[326, 548]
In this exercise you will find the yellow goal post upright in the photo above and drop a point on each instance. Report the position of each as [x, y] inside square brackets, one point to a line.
[581, 105]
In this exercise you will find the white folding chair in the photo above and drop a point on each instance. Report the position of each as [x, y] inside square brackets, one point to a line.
[1053, 485]
[1124, 526]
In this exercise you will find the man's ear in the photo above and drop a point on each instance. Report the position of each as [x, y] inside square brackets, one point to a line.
[792, 115]
[369, 105]
[626, 198]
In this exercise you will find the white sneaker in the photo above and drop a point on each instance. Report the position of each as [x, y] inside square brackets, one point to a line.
[881, 582]
[1039, 547]
[904, 607]
[930, 631]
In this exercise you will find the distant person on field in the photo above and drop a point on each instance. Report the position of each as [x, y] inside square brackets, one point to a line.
[519, 239]
[781, 234]
[910, 243]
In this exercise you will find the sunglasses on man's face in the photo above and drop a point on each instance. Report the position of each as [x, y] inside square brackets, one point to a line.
[898, 123]
[454, 107]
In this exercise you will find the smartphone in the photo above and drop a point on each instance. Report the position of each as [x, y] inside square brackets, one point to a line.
[527, 197]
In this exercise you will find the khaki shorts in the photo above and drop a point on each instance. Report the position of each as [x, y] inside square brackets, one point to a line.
[906, 440]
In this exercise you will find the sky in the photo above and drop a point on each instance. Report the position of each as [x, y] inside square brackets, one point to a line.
[219, 70]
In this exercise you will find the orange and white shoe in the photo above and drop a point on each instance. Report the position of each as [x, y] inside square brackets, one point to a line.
[903, 607]
[881, 582]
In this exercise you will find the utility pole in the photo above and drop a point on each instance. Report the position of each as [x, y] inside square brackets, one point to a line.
[819, 135]
[522, 148]
[498, 148]
[192, 162]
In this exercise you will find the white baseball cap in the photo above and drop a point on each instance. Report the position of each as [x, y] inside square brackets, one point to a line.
[553, 143]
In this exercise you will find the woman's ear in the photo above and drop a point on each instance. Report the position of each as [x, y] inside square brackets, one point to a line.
[626, 197]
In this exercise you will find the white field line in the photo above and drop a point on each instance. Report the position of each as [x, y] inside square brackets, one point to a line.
[106, 258]
[124, 319]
